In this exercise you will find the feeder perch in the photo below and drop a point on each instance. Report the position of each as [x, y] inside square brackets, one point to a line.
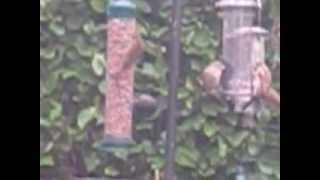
[124, 46]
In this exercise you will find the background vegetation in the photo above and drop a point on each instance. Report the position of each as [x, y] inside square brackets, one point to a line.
[72, 44]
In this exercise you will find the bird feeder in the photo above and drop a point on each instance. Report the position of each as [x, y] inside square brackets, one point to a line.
[235, 14]
[123, 48]
[241, 45]
[246, 50]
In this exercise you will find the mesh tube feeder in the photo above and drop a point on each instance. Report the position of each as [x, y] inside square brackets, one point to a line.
[237, 17]
[123, 48]
[247, 49]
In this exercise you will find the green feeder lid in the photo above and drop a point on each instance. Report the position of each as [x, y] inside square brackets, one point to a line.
[121, 8]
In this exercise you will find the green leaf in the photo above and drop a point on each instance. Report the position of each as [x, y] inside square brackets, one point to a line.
[253, 149]
[189, 103]
[237, 138]
[231, 118]
[150, 71]
[223, 147]
[269, 163]
[102, 87]
[147, 147]
[66, 74]
[209, 129]
[57, 29]
[209, 109]
[157, 162]
[51, 83]
[48, 147]
[47, 53]
[264, 115]
[85, 116]
[142, 30]
[202, 38]
[158, 32]
[138, 148]
[183, 93]
[187, 157]
[111, 171]
[212, 154]
[55, 111]
[43, 3]
[121, 153]
[44, 122]
[196, 65]
[98, 63]
[98, 6]
[207, 172]
[91, 161]
[144, 126]
[189, 85]
[83, 47]
[74, 22]
[89, 28]
[198, 122]
[143, 6]
[265, 169]
[191, 123]
[189, 37]
[46, 160]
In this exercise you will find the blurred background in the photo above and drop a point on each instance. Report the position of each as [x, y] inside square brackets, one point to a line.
[72, 82]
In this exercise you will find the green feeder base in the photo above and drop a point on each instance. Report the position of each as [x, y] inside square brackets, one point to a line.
[111, 143]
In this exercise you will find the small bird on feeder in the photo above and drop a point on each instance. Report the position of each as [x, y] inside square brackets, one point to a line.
[261, 74]
[262, 84]
[210, 78]
[134, 52]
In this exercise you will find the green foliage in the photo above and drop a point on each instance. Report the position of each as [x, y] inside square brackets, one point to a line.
[72, 67]
[85, 116]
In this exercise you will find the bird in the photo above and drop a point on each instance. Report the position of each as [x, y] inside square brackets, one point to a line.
[135, 51]
[210, 79]
[262, 84]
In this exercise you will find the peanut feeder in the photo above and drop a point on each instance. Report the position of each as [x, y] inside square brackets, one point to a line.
[124, 47]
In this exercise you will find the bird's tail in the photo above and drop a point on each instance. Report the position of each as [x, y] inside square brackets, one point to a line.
[272, 96]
